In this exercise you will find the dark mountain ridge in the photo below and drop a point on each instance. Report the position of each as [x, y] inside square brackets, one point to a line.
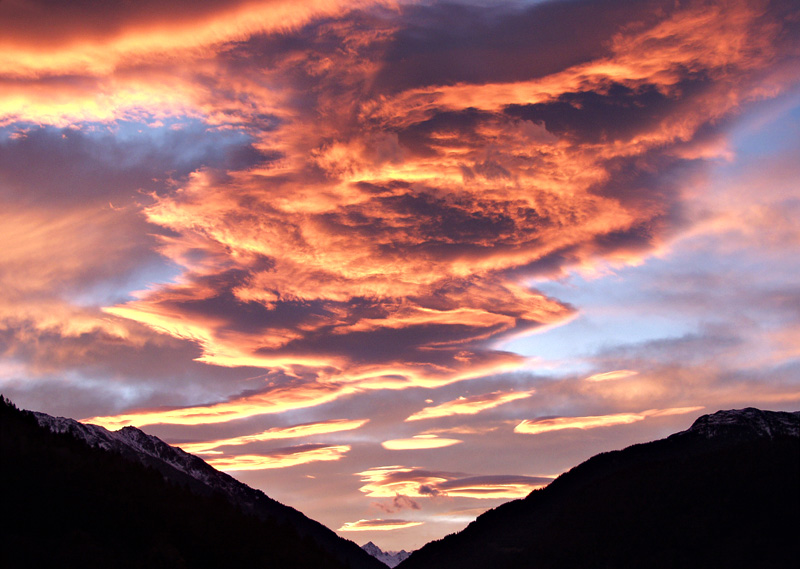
[82, 495]
[726, 492]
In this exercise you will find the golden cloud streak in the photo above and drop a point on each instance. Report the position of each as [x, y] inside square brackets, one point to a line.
[390, 481]
[218, 350]
[296, 431]
[164, 39]
[323, 390]
[470, 405]
[378, 525]
[283, 459]
[495, 491]
[592, 422]
[419, 442]
[66, 105]
[275, 401]
[319, 262]
[701, 37]
[612, 375]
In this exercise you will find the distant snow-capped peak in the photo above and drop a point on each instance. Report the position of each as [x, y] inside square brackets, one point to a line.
[390, 558]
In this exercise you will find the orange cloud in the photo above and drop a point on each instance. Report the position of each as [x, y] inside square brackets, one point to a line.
[63, 104]
[109, 64]
[390, 481]
[418, 442]
[273, 401]
[151, 31]
[280, 458]
[702, 36]
[385, 235]
[378, 525]
[612, 375]
[509, 487]
[592, 422]
[296, 431]
[470, 405]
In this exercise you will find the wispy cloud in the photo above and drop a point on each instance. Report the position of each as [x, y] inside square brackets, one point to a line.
[592, 422]
[378, 525]
[280, 458]
[612, 375]
[99, 40]
[471, 405]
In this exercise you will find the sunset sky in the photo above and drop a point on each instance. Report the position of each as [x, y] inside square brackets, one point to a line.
[397, 262]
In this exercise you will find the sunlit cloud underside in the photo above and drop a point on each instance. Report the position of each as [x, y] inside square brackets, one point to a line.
[280, 458]
[559, 423]
[418, 442]
[378, 525]
[306, 430]
[390, 481]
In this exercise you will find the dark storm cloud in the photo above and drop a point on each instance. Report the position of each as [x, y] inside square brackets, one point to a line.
[444, 44]
[47, 23]
[45, 165]
[418, 483]
[55, 21]
[459, 126]
[618, 113]
[398, 503]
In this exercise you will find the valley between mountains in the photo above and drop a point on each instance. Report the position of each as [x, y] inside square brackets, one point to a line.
[723, 493]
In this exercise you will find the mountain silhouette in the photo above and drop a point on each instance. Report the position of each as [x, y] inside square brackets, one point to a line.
[724, 493]
[78, 495]
[389, 558]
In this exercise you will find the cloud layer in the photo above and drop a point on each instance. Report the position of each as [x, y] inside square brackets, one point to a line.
[558, 423]
[386, 482]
